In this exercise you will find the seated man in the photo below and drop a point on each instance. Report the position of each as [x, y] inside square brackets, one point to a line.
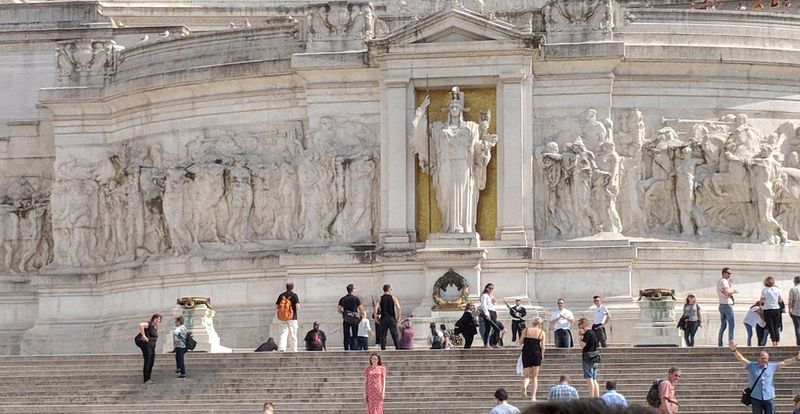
[315, 339]
[612, 397]
[268, 346]
[436, 338]
[563, 391]
[406, 334]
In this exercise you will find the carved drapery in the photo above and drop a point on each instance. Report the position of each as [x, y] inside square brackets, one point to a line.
[26, 239]
[683, 178]
[230, 188]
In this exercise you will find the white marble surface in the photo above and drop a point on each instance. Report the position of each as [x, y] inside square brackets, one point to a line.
[220, 160]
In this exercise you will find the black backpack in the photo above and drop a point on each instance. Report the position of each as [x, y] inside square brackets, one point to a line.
[652, 396]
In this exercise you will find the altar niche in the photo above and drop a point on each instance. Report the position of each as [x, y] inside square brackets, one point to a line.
[428, 216]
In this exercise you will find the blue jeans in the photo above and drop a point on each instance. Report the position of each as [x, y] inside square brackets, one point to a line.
[690, 331]
[763, 407]
[726, 320]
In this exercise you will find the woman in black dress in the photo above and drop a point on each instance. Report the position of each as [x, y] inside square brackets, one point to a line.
[146, 340]
[533, 344]
[467, 326]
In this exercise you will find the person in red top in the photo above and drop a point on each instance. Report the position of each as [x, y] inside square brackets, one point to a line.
[666, 392]
[374, 385]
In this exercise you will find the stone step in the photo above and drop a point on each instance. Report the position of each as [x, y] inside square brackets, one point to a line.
[332, 382]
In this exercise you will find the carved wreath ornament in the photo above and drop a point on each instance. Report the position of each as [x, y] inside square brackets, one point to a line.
[449, 280]
[657, 294]
[190, 302]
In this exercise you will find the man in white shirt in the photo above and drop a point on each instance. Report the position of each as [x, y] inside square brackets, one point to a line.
[794, 308]
[503, 407]
[559, 323]
[601, 316]
[725, 293]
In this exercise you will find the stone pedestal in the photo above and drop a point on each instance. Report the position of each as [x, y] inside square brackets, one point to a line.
[656, 324]
[445, 252]
[199, 320]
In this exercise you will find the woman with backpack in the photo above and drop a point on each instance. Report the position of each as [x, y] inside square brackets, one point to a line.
[375, 385]
[179, 340]
[146, 341]
[693, 318]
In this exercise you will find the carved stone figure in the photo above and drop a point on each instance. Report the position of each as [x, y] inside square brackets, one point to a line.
[580, 167]
[287, 222]
[239, 198]
[557, 198]
[608, 161]
[594, 133]
[460, 152]
[691, 219]
[355, 220]
[318, 203]
[177, 205]
[765, 180]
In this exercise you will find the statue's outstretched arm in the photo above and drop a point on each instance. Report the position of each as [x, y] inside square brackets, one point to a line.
[420, 135]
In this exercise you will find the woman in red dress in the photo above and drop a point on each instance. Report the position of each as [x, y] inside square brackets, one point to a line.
[375, 385]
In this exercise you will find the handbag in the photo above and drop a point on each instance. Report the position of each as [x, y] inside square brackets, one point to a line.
[746, 399]
[191, 343]
[592, 357]
[138, 340]
[351, 318]
[520, 368]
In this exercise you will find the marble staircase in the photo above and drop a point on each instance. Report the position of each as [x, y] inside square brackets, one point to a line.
[425, 381]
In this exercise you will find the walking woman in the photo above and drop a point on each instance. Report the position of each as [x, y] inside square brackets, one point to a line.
[489, 316]
[771, 296]
[179, 339]
[375, 385]
[533, 344]
[694, 320]
[146, 340]
[467, 326]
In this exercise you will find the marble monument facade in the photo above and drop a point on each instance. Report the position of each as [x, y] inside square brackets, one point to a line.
[149, 159]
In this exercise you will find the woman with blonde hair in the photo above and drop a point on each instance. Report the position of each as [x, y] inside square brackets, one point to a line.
[533, 345]
[771, 296]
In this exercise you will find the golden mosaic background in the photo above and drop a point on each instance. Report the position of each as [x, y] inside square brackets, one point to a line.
[428, 216]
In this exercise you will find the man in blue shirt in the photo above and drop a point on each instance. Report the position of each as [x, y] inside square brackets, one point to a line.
[763, 390]
[612, 397]
[563, 391]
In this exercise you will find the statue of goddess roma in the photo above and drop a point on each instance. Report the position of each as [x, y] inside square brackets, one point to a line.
[455, 153]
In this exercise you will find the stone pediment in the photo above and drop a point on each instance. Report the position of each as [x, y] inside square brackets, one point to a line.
[450, 26]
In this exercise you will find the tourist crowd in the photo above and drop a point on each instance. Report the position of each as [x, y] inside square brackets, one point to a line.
[764, 316]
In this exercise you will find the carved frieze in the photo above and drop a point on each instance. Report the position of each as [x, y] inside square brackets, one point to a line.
[86, 61]
[686, 178]
[569, 21]
[230, 188]
[341, 26]
[26, 239]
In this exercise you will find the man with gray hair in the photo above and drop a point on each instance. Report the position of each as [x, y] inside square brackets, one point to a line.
[761, 379]
[794, 308]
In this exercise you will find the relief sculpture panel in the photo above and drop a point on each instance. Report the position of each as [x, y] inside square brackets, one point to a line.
[679, 179]
[225, 189]
[26, 239]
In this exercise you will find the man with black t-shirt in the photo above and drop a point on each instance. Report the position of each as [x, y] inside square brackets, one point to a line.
[590, 356]
[288, 327]
[350, 309]
[387, 305]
